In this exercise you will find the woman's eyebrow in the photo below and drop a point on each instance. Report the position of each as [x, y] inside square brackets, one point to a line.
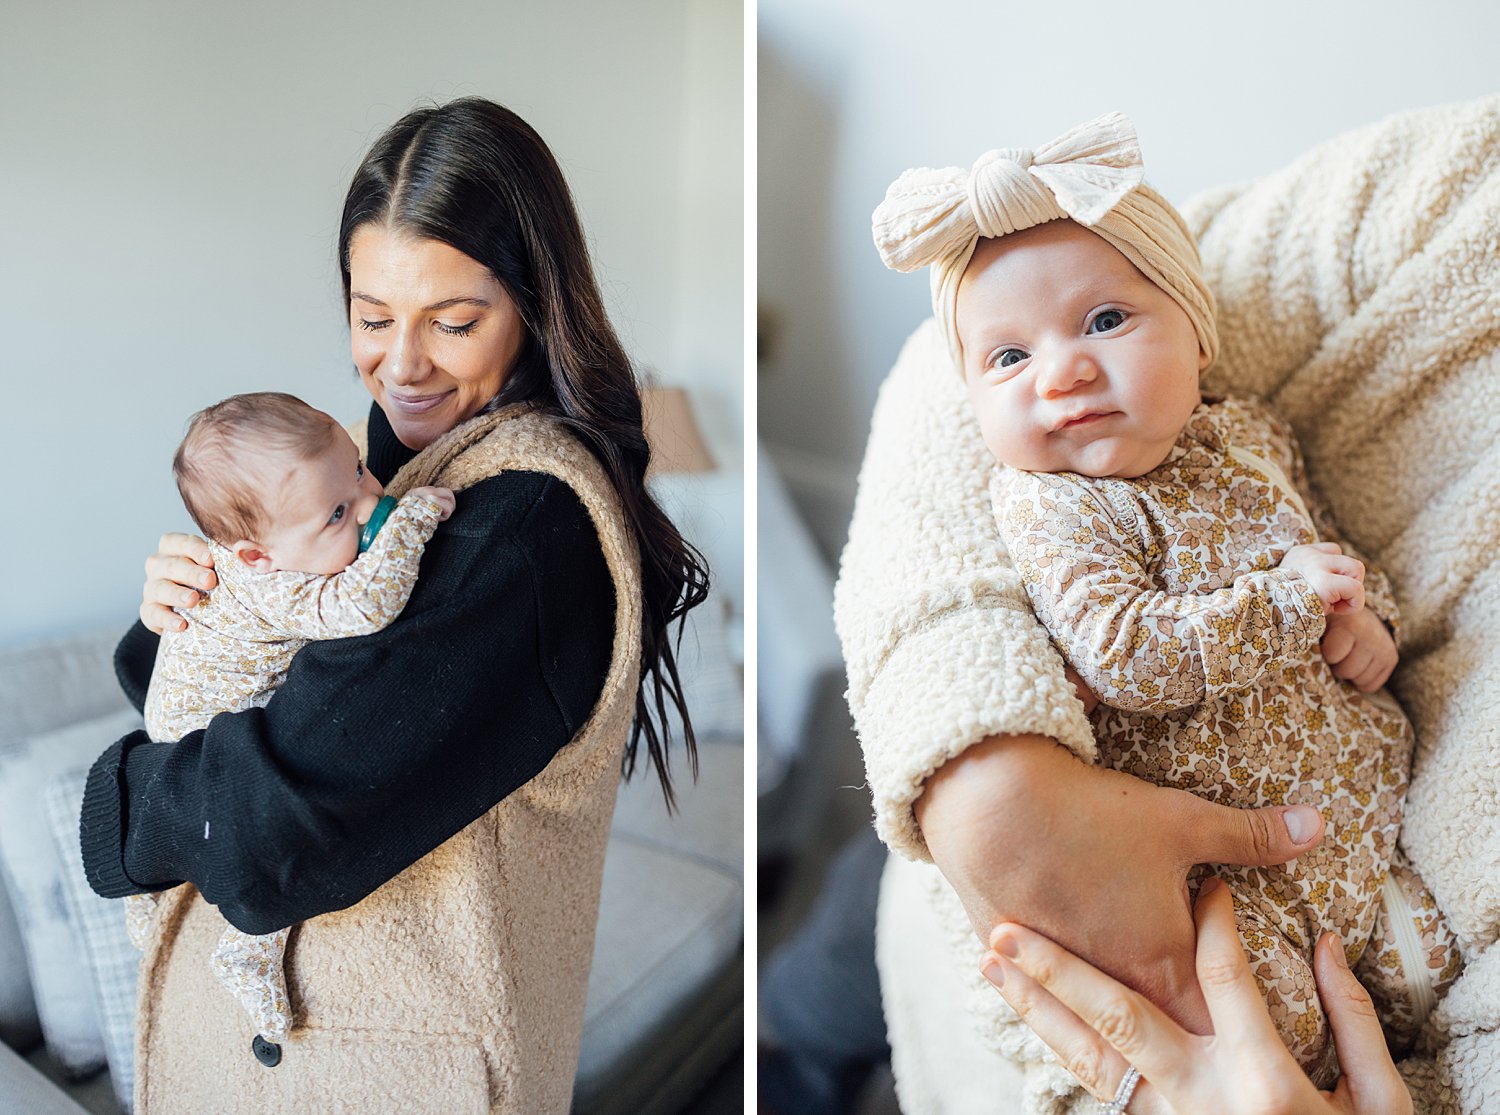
[461, 300]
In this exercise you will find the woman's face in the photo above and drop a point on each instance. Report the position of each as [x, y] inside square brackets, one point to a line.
[434, 334]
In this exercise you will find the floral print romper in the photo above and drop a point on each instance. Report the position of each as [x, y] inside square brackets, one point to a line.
[234, 655]
[1163, 592]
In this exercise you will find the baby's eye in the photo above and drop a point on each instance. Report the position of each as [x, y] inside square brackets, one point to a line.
[338, 514]
[1107, 321]
[1009, 356]
[359, 471]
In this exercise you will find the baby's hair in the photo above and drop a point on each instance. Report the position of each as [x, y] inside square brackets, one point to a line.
[223, 466]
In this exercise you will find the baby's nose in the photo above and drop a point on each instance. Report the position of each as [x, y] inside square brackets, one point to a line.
[1066, 370]
[365, 507]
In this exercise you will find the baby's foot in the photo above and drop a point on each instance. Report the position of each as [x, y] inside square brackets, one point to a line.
[251, 968]
[140, 919]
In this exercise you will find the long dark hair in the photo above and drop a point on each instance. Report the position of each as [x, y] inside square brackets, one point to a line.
[477, 177]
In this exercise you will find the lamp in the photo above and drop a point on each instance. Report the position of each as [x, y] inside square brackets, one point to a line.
[676, 444]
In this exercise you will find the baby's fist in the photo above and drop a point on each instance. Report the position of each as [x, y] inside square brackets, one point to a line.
[443, 497]
[1360, 649]
[1338, 580]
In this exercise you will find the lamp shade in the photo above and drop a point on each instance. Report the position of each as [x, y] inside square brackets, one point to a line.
[676, 444]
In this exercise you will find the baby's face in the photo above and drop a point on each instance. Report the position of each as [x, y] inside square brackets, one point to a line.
[317, 513]
[1074, 361]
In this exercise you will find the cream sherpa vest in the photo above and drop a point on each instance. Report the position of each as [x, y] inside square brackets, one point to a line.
[452, 989]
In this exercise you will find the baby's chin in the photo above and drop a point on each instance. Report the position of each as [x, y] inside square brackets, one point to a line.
[1120, 458]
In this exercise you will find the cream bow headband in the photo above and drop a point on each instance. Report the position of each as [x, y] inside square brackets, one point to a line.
[1091, 174]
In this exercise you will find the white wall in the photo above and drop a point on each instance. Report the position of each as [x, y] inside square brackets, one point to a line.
[171, 176]
[852, 92]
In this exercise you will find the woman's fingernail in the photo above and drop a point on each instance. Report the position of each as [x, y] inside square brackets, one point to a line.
[1338, 951]
[1210, 884]
[1301, 823]
[1009, 946]
[992, 971]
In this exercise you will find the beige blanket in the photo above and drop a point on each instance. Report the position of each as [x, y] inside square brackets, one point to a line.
[1359, 292]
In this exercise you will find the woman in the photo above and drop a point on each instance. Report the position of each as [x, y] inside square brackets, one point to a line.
[433, 801]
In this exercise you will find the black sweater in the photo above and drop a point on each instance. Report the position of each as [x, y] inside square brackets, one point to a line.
[379, 748]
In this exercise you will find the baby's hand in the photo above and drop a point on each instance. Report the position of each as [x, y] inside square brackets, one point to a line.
[443, 497]
[1338, 580]
[1360, 649]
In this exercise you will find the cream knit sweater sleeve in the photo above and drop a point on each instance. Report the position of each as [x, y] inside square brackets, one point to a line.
[939, 640]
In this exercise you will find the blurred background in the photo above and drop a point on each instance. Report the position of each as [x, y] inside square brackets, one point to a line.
[851, 94]
[172, 180]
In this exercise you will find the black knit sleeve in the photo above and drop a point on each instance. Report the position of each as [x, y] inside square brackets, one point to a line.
[379, 748]
[135, 659]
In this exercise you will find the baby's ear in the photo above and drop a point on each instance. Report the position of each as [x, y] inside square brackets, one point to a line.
[253, 555]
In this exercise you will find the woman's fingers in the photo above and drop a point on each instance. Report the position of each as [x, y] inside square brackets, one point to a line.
[176, 544]
[1111, 1025]
[159, 619]
[179, 570]
[1235, 1003]
[177, 575]
[1369, 1077]
[1213, 833]
[1089, 1057]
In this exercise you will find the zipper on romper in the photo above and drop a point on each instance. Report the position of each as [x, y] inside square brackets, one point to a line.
[1409, 945]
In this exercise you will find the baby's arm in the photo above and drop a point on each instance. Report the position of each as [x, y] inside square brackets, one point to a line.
[1137, 647]
[368, 595]
[1360, 646]
[1379, 598]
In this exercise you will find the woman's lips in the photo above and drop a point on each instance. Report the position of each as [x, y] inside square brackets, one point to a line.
[416, 404]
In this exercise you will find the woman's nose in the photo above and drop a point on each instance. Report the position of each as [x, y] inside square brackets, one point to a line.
[1064, 370]
[406, 360]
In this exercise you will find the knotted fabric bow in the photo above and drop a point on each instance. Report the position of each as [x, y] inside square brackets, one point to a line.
[1091, 174]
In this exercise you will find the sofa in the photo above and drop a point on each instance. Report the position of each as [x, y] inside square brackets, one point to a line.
[665, 998]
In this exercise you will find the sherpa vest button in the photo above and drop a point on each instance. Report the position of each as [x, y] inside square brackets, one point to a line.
[266, 1052]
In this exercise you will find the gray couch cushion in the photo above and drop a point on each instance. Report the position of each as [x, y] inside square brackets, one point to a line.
[25, 1091]
[665, 989]
[112, 962]
[41, 688]
[33, 873]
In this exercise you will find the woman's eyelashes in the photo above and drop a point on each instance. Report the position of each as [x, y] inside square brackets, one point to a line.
[442, 326]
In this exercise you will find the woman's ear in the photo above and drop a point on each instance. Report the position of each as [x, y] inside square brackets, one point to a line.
[253, 555]
[1202, 360]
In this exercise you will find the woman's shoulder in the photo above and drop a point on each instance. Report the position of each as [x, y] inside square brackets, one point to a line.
[518, 503]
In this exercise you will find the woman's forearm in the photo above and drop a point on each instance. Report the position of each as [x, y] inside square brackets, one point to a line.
[1092, 858]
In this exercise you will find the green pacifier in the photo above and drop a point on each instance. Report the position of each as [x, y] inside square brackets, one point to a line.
[377, 520]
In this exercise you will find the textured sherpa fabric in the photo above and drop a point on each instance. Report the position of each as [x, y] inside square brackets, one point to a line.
[452, 988]
[1359, 292]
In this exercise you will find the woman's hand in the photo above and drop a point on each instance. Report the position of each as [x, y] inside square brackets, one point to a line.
[1094, 859]
[1099, 1028]
[177, 575]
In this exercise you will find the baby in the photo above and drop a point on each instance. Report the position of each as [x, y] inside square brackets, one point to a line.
[282, 495]
[1175, 551]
